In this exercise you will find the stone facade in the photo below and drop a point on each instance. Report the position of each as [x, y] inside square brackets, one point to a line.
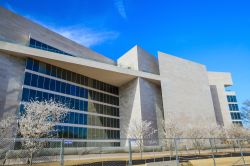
[139, 59]
[185, 91]
[141, 99]
[218, 81]
[11, 76]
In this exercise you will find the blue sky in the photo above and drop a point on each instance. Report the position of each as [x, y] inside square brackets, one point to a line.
[213, 32]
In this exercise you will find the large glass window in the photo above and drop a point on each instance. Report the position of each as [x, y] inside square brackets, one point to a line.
[233, 107]
[69, 76]
[235, 115]
[79, 93]
[37, 44]
[238, 123]
[231, 99]
[27, 78]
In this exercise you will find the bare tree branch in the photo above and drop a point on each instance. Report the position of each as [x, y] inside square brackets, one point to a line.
[245, 113]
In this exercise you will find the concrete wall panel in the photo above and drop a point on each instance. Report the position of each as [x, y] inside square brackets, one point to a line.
[218, 80]
[147, 62]
[141, 99]
[129, 59]
[185, 91]
[11, 76]
[130, 107]
[139, 59]
[152, 108]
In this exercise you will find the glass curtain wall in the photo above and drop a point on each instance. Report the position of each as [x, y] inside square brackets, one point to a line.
[94, 104]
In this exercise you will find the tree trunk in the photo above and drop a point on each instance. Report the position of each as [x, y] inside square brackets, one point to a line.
[171, 150]
[4, 161]
[215, 146]
[5, 158]
[31, 158]
[141, 151]
[186, 149]
[234, 146]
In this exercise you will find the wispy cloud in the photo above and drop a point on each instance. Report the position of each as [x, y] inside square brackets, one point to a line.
[81, 34]
[86, 36]
[9, 7]
[119, 4]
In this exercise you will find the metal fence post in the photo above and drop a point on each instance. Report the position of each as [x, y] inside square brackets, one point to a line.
[241, 153]
[101, 154]
[176, 152]
[215, 146]
[234, 145]
[171, 149]
[62, 153]
[130, 152]
[154, 153]
[212, 151]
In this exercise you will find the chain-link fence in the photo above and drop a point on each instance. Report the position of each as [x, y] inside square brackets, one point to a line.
[178, 151]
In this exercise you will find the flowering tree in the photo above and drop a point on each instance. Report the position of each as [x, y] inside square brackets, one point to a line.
[38, 121]
[140, 130]
[235, 132]
[171, 129]
[6, 125]
[197, 133]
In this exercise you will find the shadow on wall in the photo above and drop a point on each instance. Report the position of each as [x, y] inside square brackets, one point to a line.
[217, 108]
[140, 99]
[10, 88]
[127, 106]
[152, 107]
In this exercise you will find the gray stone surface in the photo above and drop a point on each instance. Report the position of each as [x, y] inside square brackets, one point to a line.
[147, 62]
[11, 76]
[217, 106]
[139, 59]
[110, 74]
[129, 59]
[218, 81]
[152, 108]
[141, 99]
[185, 91]
[130, 107]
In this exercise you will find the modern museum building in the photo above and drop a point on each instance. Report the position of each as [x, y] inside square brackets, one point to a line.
[104, 96]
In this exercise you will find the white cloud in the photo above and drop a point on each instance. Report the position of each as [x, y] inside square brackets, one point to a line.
[86, 36]
[81, 34]
[120, 7]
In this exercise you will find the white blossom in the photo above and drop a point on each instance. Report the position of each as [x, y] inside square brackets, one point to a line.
[140, 131]
[39, 121]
